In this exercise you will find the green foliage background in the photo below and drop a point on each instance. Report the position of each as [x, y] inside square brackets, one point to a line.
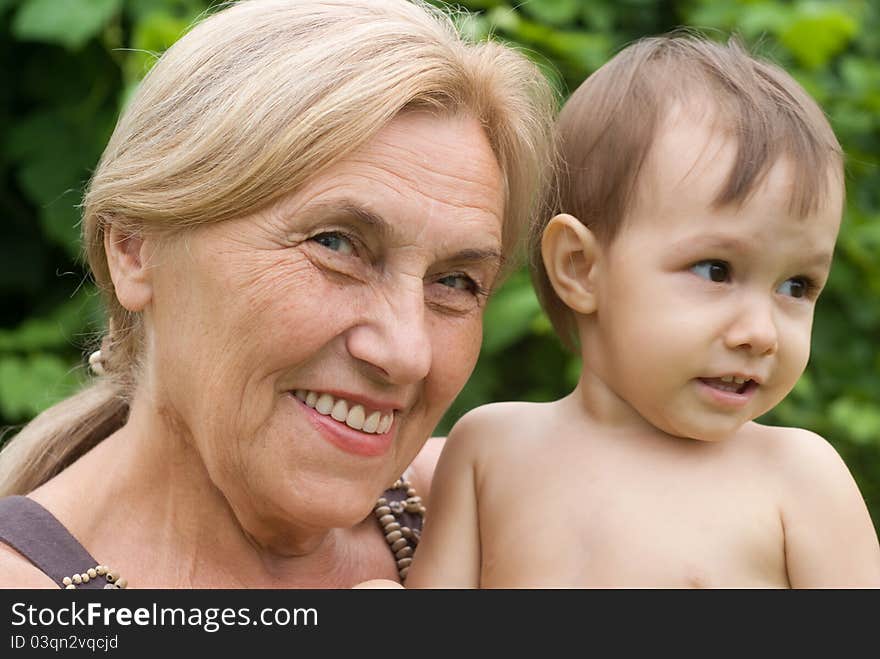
[68, 66]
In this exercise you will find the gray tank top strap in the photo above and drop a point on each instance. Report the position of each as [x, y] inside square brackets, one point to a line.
[37, 535]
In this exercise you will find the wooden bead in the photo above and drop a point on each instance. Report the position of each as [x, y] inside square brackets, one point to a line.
[101, 570]
[396, 507]
[414, 499]
[393, 526]
[402, 572]
[85, 577]
[387, 519]
[121, 583]
[77, 579]
[111, 576]
[394, 536]
[67, 581]
[92, 573]
[381, 501]
[70, 586]
[382, 510]
[399, 544]
[406, 552]
[110, 586]
[404, 562]
[411, 492]
[407, 532]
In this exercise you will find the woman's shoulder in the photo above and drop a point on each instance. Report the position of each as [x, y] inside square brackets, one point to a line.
[18, 572]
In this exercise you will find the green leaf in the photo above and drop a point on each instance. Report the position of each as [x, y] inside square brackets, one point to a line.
[68, 327]
[585, 49]
[31, 384]
[69, 23]
[503, 18]
[860, 419]
[53, 167]
[510, 314]
[817, 35]
[554, 12]
[6, 4]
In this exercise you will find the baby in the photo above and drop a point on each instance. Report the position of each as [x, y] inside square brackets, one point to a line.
[699, 210]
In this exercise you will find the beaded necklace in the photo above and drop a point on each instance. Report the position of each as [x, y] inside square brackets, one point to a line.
[402, 538]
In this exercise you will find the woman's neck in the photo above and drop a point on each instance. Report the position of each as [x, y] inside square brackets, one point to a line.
[148, 507]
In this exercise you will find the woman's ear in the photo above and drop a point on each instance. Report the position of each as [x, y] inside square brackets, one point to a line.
[129, 267]
[571, 252]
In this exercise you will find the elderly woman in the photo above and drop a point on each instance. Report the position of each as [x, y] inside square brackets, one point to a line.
[296, 225]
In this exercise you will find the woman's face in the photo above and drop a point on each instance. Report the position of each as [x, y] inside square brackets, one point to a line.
[284, 343]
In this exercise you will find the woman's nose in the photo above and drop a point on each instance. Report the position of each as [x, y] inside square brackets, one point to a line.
[754, 328]
[394, 337]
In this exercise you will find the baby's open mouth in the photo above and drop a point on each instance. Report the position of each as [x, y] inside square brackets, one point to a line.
[730, 383]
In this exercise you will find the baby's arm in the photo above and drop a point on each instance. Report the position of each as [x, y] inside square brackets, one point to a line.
[448, 555]
[829, 539]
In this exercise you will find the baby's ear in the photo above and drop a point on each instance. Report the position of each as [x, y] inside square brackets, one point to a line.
[127, 260]
[570, 252]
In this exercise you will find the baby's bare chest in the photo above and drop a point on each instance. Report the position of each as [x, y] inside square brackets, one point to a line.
[616, 525]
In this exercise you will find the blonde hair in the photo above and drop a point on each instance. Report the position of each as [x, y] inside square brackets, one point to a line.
[608, 126]
[254, 101]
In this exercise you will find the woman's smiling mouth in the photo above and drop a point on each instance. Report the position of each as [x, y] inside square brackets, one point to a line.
[351, 414]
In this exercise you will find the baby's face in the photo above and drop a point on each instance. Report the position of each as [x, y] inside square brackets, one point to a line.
[705, 314]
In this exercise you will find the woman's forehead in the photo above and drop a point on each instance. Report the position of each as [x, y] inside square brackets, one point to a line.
[418, 174]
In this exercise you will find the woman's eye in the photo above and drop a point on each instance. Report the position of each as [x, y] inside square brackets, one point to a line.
[459, 282]
[335, 241]
[795, 287]
[712, 270]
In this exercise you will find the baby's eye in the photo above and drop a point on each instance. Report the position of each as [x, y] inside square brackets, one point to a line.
[335, 241]
[796, 287]
[712, 270]
[459, 282]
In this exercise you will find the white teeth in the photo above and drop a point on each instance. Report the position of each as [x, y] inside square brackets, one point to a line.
[739, 380]
[727, 378]
[355, 416]
[372, 422]
[324, 404]
[340, 410]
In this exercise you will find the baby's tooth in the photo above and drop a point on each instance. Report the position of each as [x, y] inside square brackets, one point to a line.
[355, 418]
[311, 399]
[301, 394]
[372, 422]
[340, 410]
[727, 378]
[385, 423]
[739, 380]
[324, 403]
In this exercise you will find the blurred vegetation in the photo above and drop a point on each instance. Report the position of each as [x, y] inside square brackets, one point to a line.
[68, 66]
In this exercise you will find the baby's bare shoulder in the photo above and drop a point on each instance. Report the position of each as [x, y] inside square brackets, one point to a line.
[18, 572]
[501, 422]
[496, 430]
[798, 456]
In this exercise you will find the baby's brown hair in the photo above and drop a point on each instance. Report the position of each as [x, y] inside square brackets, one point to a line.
[609, 124]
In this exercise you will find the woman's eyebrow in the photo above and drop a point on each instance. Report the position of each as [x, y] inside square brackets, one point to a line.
[477, 256]
[364, 216]
[352, 211]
